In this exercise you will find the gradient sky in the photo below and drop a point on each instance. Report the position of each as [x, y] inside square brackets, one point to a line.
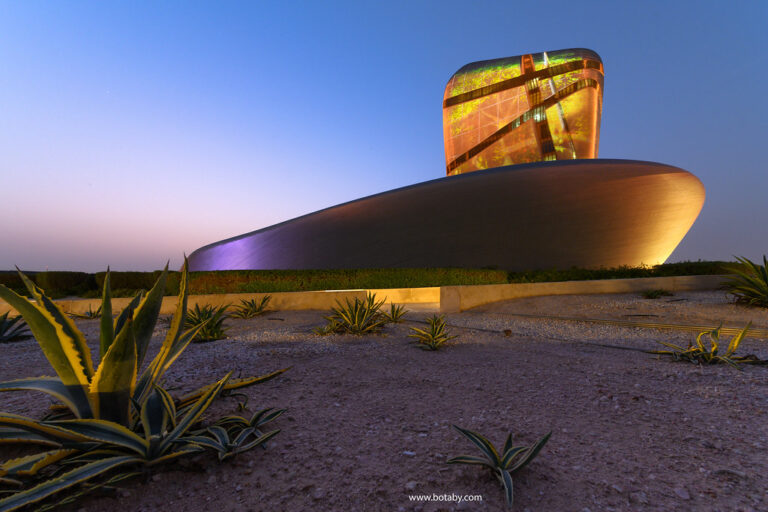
[132, 132]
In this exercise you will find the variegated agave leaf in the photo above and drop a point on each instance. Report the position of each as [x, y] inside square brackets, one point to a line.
[749, 282]
[504, 465]
[62, 482]
[62, 343]
[231, 385]
[13, 329]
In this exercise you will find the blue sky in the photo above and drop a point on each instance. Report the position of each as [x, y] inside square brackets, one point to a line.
[132, 132]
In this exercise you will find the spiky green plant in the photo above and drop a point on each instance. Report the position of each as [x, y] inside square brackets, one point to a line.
[250, 308]
[234, 434]
[504, 464]
[656, 294]
[749, 282]
[209, 321]
[88, 315]
[119, 419]
[701, 354]
[395, 314]
[434, 337]
[13, 329]
[357, 317]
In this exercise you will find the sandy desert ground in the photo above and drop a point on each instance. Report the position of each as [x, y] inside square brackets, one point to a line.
[369, 418]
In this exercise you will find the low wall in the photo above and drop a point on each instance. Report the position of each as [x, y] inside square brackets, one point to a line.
[460, 298]
[408, 295]
[282, 301]
[451, 299]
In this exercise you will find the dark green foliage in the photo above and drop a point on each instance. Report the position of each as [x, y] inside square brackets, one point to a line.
[504, 464]
[13, 329]
[12, 280]
[211, 319]
[127, 284]
[686, 268]
[434, 337]
[61, 284]
[269, 281]
[656, 294]
[749, 282]
[701, 354]
[250, 308]
[357, 317]
[127, 280]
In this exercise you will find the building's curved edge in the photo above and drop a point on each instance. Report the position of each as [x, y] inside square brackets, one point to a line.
[476, 175]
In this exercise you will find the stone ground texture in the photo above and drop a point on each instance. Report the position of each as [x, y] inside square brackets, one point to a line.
[369, 418]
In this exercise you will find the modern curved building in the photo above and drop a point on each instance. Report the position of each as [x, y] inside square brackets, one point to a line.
[524, 189]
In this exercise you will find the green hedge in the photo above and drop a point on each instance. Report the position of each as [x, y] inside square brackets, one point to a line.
[61, 284]
[125, 284]
[685, 268]
[128, 280]
[255, 281]
[12, 280]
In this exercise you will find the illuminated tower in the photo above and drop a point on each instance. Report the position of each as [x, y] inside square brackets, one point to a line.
[529, 108]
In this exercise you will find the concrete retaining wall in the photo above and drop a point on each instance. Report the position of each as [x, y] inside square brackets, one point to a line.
[460, 298]
[451, 299]
[409, 295]
[282, 301]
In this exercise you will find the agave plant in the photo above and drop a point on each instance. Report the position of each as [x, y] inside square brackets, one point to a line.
[701, 354]
[504, 464]
[234, 434]
[118, 418]
[358, 317]
[396, 313]
[749, 282]
[209, 321]
[88, 315]
[13, 329]
[250, 308]
[434, 337]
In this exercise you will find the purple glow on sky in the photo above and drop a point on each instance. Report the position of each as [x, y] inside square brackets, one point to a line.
[134, 132]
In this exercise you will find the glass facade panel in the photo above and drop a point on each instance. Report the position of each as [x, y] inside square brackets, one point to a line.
[529, 108]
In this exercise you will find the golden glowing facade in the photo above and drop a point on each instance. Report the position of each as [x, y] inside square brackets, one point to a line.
[530, 108]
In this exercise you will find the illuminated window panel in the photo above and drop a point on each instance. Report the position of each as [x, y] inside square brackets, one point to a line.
[530, 108]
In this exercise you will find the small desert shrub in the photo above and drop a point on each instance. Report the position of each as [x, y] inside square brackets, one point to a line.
[434, 337]
[250, 308]
[357, 317]
[90, 314]
[13, 329]
[210, 320]
[504, 464]
[395, 314]
[125, 423]
[236, 434]
[656, 294]
[749, 282]
[701, 354]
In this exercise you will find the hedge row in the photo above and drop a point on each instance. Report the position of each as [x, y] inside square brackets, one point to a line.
[61, 284]
[685, 268]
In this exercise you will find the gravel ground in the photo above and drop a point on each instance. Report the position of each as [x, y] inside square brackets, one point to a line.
[368, 421]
